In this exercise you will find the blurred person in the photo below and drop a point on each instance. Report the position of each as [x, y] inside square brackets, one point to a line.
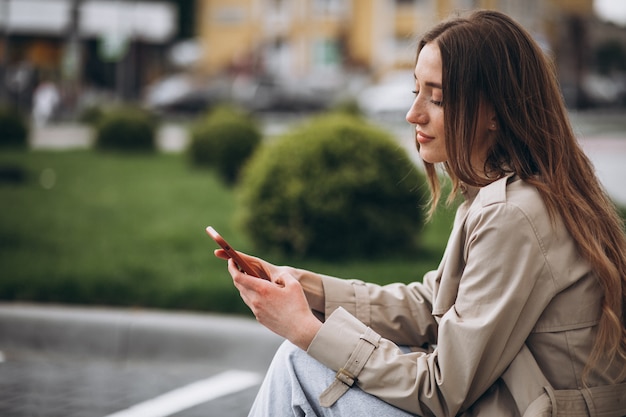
[45, 101]
[525, 313]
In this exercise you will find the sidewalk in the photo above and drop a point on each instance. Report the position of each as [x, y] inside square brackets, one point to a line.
[170, 137]
[602, 137]
[77, 361]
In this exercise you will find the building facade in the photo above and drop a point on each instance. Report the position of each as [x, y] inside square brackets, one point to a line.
[298, 38]
[114, 46]
[320, 41]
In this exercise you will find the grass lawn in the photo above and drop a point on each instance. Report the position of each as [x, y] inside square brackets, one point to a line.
[108, 229]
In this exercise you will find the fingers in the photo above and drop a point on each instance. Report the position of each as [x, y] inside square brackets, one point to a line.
[251, 289]
[286, 280]
[259, 267]
[250, 283]
[241, 279]
[220, 253]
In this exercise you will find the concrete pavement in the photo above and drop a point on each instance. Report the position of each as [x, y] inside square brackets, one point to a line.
[78, 361]
[170, 137]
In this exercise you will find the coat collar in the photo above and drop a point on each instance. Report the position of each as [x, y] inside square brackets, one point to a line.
[495, 192]
[489, 194]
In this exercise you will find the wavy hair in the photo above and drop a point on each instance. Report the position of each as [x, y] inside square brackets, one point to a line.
[488, 57]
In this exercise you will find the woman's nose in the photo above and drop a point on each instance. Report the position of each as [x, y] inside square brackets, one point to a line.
[416, 114]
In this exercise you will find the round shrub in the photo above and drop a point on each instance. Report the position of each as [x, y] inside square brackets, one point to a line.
[126, 129]
[13, 129]
[334, 187]
[91, 115]
[224, 140]
[349, 106]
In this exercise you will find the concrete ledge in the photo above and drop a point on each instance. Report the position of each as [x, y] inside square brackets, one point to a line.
[130, 334]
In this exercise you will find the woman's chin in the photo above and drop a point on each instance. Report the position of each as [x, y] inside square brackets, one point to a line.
[430, 158]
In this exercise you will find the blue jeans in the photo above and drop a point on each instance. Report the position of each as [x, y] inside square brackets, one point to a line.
[294, 382]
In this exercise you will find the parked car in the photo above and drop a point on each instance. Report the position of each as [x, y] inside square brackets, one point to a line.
[273, 94]
[605, 90]
[183, 93]
[388, 99]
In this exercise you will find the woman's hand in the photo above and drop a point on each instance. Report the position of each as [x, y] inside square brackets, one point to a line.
[256, 264]
[279, 305]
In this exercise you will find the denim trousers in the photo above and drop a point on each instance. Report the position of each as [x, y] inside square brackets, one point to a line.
[294, 382]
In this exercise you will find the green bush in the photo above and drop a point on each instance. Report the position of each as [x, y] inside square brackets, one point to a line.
[333, 187]
[126, 129]
[349, 106]
[224, 140]
[91, 115]
[13, 129]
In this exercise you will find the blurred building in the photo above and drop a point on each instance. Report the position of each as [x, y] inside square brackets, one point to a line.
[328, 39]
[122, 46]
[83, 45]
[302, 37]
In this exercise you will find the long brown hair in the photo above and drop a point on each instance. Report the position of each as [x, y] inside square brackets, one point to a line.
[488, 57]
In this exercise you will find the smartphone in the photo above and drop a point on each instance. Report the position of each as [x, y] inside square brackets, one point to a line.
[241, 264]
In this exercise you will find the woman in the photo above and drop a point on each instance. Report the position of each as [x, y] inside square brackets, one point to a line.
[525, 314]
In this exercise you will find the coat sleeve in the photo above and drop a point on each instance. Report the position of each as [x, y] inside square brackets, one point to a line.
[478, 336]
[401, 313]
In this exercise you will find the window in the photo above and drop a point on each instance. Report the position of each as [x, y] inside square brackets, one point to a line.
[326, 54]
[329, 7]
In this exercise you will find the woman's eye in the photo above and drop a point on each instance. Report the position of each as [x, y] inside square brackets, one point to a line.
[433, 101]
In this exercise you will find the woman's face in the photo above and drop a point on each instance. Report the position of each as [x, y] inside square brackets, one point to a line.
[426, 113]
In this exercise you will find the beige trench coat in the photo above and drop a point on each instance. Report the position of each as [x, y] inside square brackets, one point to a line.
[511, 292]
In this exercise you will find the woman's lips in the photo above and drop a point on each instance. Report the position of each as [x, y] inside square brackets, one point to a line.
[423, 138]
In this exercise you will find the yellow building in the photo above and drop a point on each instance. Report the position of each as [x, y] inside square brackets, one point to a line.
[300, 38]
[287, 37]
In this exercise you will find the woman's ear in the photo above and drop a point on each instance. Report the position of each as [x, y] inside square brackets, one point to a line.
[487, 117]
[493, 122]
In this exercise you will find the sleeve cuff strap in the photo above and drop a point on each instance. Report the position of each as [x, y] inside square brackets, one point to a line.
[347, 375]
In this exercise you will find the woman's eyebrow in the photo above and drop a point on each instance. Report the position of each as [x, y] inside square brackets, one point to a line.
[434, 85]
[430, 83]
